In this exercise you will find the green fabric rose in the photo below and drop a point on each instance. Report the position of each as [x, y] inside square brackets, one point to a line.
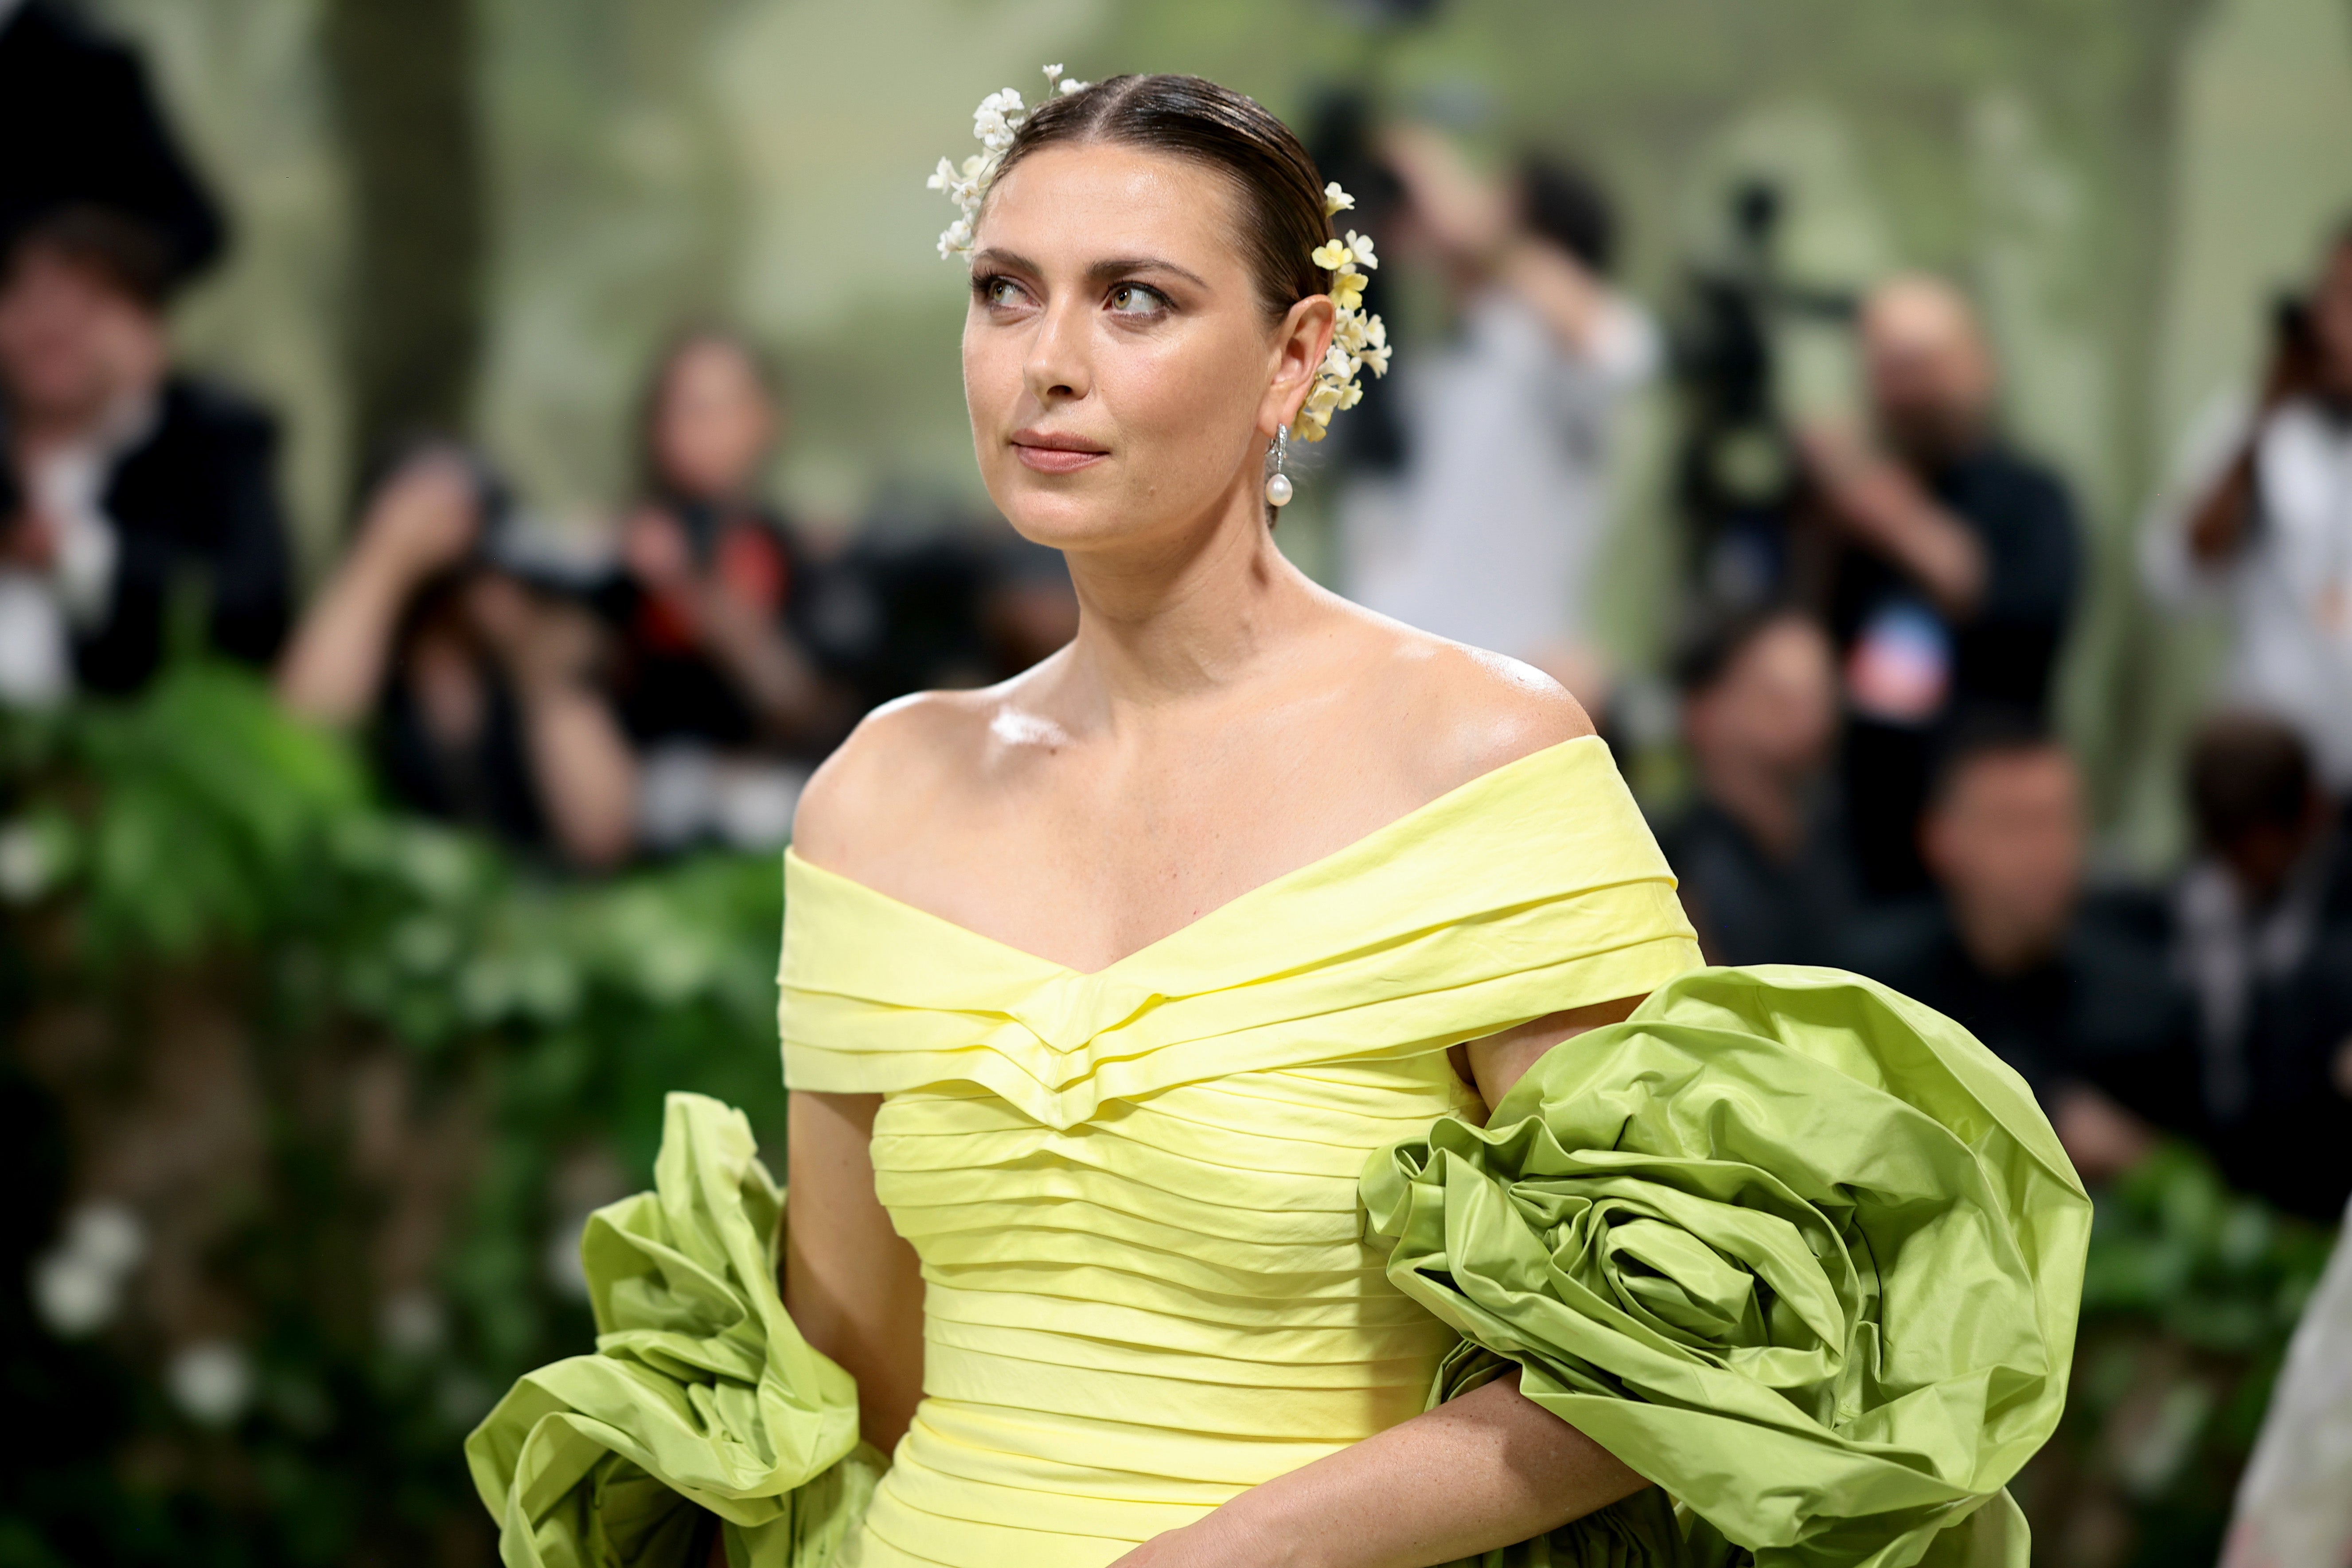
[1792, 1247]
[701, 1399]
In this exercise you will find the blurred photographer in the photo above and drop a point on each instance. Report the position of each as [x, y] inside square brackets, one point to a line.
[1508, 430]
[480, 686]
[1955, 562]
[2263, 520]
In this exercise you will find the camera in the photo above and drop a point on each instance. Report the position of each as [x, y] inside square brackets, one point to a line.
[1737, 474]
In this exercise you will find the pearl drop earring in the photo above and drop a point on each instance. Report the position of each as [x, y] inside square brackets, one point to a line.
[1278, 490]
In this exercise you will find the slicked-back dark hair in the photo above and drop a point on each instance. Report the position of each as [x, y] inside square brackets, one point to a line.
[2247, 770]
[1281, 207]
[1980, 733]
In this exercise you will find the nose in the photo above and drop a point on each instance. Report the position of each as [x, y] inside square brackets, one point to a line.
[1058, 368]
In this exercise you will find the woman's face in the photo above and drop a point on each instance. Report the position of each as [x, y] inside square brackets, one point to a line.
[1121, 369]
[713, 423]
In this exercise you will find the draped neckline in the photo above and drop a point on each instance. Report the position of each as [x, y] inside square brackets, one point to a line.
[1371, 845]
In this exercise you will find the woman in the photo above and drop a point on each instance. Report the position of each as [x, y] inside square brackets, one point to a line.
[1102, 987]
[708, 657]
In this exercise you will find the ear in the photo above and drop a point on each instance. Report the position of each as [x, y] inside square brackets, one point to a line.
[1299, 343]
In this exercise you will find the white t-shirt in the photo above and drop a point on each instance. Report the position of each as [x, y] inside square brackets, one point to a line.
[41, 611]
[1490, 538]
[2288, 587]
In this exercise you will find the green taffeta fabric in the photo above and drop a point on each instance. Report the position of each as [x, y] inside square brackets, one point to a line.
[702, 1399]
[1796, 1248]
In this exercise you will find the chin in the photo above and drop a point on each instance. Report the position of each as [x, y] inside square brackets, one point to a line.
[1065, 521]
[1059, 512]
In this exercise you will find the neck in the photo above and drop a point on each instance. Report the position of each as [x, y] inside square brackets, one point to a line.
[39, 431]
[1999, 944]
[1761, 799]
[1180, 616]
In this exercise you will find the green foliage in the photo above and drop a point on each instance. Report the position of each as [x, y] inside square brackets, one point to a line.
[2189, 1296]
[2218, 1272]
[201, 839]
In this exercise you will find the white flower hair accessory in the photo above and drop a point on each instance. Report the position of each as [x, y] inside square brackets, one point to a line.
[994, 123]
[1358, 341]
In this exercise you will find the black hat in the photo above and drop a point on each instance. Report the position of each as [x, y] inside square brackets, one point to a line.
[80, 132]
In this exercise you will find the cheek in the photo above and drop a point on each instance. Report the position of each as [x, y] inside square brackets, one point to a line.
[992, 376]
[2336, 324]
[1185, 406]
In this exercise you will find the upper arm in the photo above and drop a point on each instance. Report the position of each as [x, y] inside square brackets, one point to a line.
[1500, 1061]
[1506, 711]
[852, 1285]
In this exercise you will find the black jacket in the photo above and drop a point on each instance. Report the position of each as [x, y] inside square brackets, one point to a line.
[2100, 1010]
[2023, 517]
[196, 509]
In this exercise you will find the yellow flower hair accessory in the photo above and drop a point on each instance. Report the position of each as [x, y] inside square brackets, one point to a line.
[994, 123]
[1358, 341]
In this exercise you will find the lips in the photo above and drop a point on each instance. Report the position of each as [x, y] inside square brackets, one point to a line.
[1050, 452]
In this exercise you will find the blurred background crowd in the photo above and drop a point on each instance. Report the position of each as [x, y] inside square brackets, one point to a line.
[1924, 443]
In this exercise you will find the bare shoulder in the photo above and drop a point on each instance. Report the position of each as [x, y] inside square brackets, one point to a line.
[894, 769]
[1472, 712]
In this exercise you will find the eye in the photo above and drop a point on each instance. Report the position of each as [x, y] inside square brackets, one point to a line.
[998, 292]
[1136, 300]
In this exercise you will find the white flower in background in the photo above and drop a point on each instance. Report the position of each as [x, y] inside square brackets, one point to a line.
[28, 867]
[76, 1286]
[108, 1233]
[211, 1381]
[73, 1298]
[1359, 245]
[412, 1323]
[1335, 200]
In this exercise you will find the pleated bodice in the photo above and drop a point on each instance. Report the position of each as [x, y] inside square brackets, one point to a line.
[1134, 1192]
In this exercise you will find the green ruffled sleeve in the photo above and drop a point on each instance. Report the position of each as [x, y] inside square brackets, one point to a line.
[702, 1395]
[1792, 1247]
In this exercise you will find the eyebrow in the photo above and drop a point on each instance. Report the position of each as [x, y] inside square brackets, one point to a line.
[1101, 272]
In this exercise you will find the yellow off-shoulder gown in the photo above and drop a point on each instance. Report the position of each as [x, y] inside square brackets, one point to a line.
[1134, 1192]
